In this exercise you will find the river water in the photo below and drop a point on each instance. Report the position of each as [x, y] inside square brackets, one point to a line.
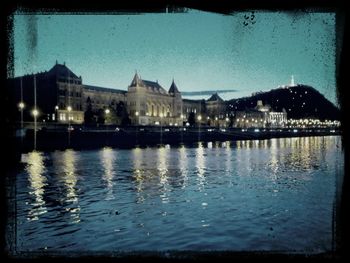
[275, 194]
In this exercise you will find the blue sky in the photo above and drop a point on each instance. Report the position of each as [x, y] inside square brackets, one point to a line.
[201, 50]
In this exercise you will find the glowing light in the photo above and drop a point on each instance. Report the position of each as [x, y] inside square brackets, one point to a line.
[137, 113]
[199, 117]
[56, 107]
[21, 105]
[107, 111]
[69, 108]
[35, 112]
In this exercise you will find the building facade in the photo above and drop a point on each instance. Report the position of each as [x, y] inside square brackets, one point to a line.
[60, 96]
[262, 116]
[148, 103]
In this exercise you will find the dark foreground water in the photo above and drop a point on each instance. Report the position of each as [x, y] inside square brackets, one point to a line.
[273, 194]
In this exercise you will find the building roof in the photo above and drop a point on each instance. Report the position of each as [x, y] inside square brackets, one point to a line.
[136, 81]
[62, 71]
[96, 88]
[154, 85]
[215, 97]
[150, 85]
[173, 88]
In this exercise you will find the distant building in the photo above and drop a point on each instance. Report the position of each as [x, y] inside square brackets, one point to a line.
[101, 98]
[56, 89]
[250, 118]
[216, 106]
[261, 116]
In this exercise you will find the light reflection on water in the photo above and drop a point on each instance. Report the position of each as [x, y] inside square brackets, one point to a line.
[244, 195]
[200, 165]
[35, 169]
[108, 158]
[65, 168]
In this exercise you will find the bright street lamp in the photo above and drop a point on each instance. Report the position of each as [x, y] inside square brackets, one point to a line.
[35, 112]
[21, 105]
[69, 108]
[137, 113]
[107, 111]
[199, 117]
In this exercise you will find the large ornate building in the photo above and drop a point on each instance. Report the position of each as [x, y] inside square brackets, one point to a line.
[149, 103]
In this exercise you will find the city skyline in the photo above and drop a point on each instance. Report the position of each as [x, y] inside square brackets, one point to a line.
[200, 50]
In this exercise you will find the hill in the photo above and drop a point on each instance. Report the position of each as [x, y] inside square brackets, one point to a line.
[299, 101]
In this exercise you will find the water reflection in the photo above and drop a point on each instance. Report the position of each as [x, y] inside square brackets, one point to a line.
[273, 164]
[200, 165]
[228, 162]
[65, 164]
[270, 199]
[183, 165]
[37, 181]
[138, 173]
[163, 173]
[108, 160]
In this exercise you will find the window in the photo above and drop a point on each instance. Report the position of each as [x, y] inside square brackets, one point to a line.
[62, 116]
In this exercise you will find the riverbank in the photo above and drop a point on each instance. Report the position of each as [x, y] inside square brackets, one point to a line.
[49, 140]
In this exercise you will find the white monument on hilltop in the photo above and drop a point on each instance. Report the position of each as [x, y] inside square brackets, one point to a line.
[292, 84]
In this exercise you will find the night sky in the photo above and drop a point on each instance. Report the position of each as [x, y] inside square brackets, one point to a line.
[246, 51]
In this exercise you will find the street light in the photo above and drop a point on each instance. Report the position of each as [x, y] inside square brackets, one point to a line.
[56, 114]
[69, 108]
[227, 120]
[107, 111]
[161, 131]
[21, 107]
[35, 113]
[199, 126]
